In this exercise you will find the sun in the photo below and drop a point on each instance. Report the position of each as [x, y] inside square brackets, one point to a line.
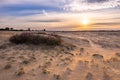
[85, 22]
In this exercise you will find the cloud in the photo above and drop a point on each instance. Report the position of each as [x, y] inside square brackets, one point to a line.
[26, 9]
[45, 13]
[37, 2]
[20, 7]
[96, 1]
[52, 20]
[64, 28]
[83, 5]
[14, 7]
[107, 24]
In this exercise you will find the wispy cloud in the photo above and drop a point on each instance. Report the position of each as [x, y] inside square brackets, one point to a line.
[52, 20]
[107, 24]
[45, 12]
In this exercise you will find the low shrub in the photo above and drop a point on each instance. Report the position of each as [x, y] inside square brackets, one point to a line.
[30, 38]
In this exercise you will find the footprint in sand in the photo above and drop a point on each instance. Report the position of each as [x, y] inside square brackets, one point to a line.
[89, 76]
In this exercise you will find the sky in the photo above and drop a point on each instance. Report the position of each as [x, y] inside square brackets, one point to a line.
[60, 15]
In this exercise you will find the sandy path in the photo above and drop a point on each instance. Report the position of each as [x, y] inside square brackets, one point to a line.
[93, 45]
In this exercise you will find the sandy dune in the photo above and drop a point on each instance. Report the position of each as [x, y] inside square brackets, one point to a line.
[84, 56]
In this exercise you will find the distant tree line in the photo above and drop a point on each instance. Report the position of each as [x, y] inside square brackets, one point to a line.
[12, 29]
[6, 29]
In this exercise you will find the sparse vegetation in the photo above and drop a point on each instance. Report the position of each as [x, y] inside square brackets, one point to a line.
[72, 59]
[3, 46]
[30, 38]
[107, 43]
[25, 62]
[97, 55]
[82, 50]
[57, 76]
[106, 76]
[20, 72]
[89, 76]
[8, 66]
[45, 71]
[117, 54]
[114, 59]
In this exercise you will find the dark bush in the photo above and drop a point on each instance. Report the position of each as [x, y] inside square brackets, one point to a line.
[20, 39]
[29, 38]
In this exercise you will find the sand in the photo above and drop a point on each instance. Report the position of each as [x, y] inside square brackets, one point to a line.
[84, 56]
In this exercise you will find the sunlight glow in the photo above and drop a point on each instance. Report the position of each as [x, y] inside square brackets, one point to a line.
[85, 21]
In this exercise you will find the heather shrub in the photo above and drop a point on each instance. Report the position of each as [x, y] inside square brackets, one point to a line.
[30, 38]
[20, 39]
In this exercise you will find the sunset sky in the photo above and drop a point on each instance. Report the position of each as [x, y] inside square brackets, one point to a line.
[60, 14]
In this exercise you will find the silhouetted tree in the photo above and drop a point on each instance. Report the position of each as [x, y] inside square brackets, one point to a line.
[1, 29]
[7, 28]
[11, 29]
[28, 29]
[21, 30]
[44, 30]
